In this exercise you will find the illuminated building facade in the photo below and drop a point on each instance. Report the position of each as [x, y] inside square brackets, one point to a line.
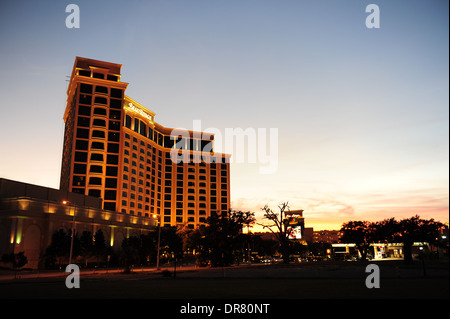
[113, 149]
[31, 214]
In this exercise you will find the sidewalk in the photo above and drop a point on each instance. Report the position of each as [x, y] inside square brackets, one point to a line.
[6, 275]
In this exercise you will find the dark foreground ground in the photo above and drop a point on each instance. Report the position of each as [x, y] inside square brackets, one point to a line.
[328, 280]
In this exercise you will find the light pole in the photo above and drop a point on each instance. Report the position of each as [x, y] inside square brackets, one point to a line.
[65, 202]
[159, 240]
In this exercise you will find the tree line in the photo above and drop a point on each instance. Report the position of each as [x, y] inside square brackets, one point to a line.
[406, 231]
[221, 241]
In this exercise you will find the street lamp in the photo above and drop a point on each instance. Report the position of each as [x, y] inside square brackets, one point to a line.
[159, 239]
[65, 202]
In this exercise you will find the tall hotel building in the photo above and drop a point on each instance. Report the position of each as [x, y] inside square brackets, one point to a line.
[113, 149]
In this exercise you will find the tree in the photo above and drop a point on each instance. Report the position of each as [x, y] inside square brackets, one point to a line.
[86, 246]
[415, 229]
[17, 260]
[220, 241]
[130, 252]
[280, 223]
[59, 247]
[359, 233]
[99, 247]
[243, 218]
[385, 231]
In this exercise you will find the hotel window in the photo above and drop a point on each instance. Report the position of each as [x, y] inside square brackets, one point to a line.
[113, 148]
[83, 121]
[112, 77]
[85, 99]
[100, 100]
[115, 115]
[97, 157]
[117, 93]
[95, 181]
[150, 135]
[80, 157]
[136, 125]
[96, 169]
[111, 182]
[114, 125]
[112, 159]
[99, 111]
[79, 168]
[81, 145]
[111, 170]
[143, 129]
[206, 146]
[82, 133]
[78, 181]
[84, 73]
[97, 145]
[84, 110]
[128, 121]
[115, 104]
[98, 134]
[113, 136]
[99, 122]
[101, 89]
[110, 194]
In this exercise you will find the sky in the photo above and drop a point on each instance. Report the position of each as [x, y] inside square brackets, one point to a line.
[358, 116]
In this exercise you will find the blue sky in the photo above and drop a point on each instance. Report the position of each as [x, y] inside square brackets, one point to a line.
[362, 114]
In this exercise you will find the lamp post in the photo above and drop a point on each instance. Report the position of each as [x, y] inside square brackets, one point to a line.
[65, 202]
[159, 240]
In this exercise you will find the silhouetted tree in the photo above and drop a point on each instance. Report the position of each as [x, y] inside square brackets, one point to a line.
[58, 248]
[86, 246]
[17, 260]
[280, 223]
[130, 252]
[359, 233]
[415, 229]
[385, 231]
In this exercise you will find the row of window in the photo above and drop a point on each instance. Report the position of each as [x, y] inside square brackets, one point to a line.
[179, 142]
[190, 158]
[98, 75]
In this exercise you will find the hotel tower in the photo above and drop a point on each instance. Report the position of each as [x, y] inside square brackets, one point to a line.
[114, 149]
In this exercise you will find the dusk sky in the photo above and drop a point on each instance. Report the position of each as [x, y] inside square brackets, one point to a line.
[362, 114]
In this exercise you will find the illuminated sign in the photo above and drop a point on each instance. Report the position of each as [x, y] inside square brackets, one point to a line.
[295, 232]
[139, 111]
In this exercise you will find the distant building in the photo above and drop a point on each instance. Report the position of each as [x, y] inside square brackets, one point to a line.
[327, 236]
[308, 234]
